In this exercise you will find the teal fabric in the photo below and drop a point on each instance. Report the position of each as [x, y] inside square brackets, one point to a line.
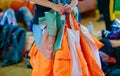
[54, 24]
[55, 27]
[75, 13]
[41, 20]
[51, 23]
[60, 26]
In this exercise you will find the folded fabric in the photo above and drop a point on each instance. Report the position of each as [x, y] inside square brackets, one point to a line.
[75, 57]
[111, 60]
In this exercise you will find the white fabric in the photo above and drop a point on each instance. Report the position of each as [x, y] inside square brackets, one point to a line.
[91, 43]
[73, 37]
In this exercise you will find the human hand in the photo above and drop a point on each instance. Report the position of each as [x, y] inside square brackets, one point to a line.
[68, 8]
[58, 8]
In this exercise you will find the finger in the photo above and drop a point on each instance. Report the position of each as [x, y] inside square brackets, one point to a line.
[66, 6]
[68, 10]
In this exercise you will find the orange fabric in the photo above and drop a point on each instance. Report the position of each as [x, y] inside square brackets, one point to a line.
[91, 60]
[85, 70]
[62, 63]
[76, 27]
[16, 4]
[41, 65]
[99, 44]
[88, 54]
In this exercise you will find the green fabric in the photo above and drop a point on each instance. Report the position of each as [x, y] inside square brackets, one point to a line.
[60, 26]
[55, 27]
[117, 4]
[41, 20]
[75, 13]
[51, 23]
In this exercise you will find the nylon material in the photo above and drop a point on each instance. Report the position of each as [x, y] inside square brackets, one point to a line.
[43, 45]
[62, 62]
[37, 33]
[60, 29]
[71, 22]
[69, 57]
[59, 38]
[72, 25]
[88, 54]
[41, 65]
[60, 53]
[41, 20]
[51, 23]
[76, 68]
[91, 42]
[77, 37]
[75, 13]
[83, 62]
[90, 58]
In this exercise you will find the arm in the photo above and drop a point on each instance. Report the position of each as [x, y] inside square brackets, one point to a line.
[73, 3]
[56, 7]
[71, 6]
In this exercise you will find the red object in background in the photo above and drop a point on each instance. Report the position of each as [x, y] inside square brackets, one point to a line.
[16, 4]
[24, 53]
[111, 60]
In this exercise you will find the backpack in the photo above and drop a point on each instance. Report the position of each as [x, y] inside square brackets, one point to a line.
[1, 40]
[12, 44]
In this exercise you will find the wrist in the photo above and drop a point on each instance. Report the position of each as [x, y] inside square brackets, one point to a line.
[72, 6]
[73, 3]
[52, 5]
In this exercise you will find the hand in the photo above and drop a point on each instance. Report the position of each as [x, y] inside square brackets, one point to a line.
[68, 8]
[58, 8]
